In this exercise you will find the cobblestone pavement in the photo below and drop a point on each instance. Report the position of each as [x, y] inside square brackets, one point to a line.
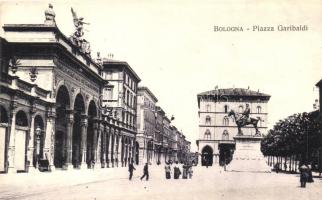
[113, 183]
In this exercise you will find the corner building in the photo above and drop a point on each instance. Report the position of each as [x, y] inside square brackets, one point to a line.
[120, 100]
[51, 104]
[216, 130]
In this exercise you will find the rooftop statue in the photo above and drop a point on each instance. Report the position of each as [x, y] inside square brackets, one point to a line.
[77, 37]
[50, 15]
[78, 23]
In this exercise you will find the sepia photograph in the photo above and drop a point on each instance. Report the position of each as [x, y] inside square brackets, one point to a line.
[160, 99]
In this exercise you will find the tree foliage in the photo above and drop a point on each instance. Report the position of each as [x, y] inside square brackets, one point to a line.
[298, 134]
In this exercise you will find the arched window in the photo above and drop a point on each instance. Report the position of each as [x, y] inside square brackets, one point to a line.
[225, 135]
[259, 109]
[208, 108]
[226, 121]
[208, 120]
[226, 108]
[207, 135]
[240, 109]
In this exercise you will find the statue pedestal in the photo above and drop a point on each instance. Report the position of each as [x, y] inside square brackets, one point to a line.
[248, 156]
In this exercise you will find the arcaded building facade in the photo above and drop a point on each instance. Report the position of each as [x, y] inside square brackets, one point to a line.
[51, 104]
[217, 130]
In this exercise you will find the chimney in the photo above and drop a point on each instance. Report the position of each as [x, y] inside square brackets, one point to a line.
[110, 56]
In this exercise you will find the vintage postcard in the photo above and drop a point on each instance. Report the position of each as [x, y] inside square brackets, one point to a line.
[152, 99]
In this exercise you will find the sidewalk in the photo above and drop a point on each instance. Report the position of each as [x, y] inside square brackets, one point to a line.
[20, 184]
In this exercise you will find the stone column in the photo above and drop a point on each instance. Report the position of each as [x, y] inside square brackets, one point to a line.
[133, 149]
[123, 150]
[99, 146]
[112, 136]
[31, 148]
[119, 148]
[126, 151]
[129, 146]
[11, 148]
[50, 141]
[96, 127]
[103, 149]
[107, 146]
[84, 124]
[116, 146]
[68, 140]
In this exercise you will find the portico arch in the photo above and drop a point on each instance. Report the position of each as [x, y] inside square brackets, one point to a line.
[20, 139]
[207, 156]
[38, 139]
[91, 133]
[4, 119]
[79, 134]
[61, 124]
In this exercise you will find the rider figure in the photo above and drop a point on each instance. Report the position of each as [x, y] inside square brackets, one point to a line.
[245, 114]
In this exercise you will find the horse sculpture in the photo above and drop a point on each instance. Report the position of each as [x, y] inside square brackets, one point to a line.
[241, 122]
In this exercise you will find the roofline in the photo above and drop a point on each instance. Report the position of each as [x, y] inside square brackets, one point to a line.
[214, 94]
[221, 97]
[148, 91]
[123, 63]
[166, 118]
[44, 27]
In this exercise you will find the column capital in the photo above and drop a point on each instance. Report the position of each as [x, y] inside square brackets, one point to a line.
[70, 111]
[51, 113]
[70, 118]
[84, 120]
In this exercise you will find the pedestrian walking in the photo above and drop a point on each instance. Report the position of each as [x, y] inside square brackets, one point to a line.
[304, 175]
[131, 168]
[184, 171]
[177, 172]
[167, 171]
[145, 172]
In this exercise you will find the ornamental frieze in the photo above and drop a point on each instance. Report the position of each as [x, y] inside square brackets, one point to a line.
[76, 76]
[74, 86]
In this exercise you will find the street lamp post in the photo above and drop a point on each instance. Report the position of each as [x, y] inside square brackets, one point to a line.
[38, 134]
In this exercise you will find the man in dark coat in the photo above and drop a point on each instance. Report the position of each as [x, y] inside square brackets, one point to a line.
[131, 168]
[304, 175]
[145, 172]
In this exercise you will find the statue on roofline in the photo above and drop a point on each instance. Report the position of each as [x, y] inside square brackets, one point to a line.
[77, 37]
[50, 16]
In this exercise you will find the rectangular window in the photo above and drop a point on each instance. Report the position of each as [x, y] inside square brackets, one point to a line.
[110, 93]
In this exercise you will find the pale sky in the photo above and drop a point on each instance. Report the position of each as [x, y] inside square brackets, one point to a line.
[172, 47]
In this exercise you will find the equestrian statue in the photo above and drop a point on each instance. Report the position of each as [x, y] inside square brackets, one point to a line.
[243, 119]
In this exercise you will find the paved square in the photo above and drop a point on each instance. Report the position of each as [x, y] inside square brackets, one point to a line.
[112, 184]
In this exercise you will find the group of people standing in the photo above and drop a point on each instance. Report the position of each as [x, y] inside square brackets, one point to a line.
[186, 171]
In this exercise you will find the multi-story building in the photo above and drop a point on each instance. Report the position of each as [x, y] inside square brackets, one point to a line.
[62, 109]
[120, 99]
[146, 124]
[217, 130]
[166, 148]
[173, 144]
[158, 137]
[50, 102]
